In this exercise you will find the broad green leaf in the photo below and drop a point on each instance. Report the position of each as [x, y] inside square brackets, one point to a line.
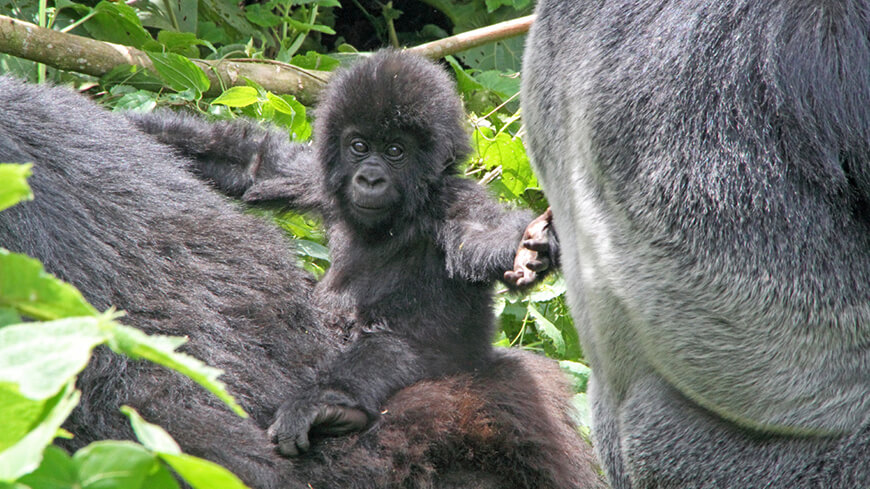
[8, 316]
[20, 414]
[113, 464]
[228, 15]
[25, 456]
[263, 17]
[579, 373]
[548, 329]
[161, 350]
[312, 60]
[312, 249]
[582, 414]
[14, 188]
[504, 84]
[465, 82]
[238, 97]
[183, 43]
[153, 13]
[133, 76]
[199, 473]
[180, 73]
[42, 357]
[305, 27]
[56, 471]
[26, 287]
[116, 22]
[152, 436]
[202, 474]
[280, 104]
[138, 101]
[548, 291]
[503, 150]
[161, 478]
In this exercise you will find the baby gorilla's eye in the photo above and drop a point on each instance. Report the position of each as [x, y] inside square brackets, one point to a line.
[394, 151]
[359, 146]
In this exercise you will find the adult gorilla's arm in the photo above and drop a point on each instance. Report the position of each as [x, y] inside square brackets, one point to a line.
[241, 158]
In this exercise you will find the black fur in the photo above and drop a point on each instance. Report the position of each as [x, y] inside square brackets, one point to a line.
[411, 280]
[118, 215]
[708, 164]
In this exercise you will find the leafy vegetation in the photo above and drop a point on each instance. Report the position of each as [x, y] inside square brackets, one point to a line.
[39, 360]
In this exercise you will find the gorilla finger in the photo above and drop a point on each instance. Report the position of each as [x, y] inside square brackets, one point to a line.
[513, 276]
[539, 245]
[539, 265]
[526, 280]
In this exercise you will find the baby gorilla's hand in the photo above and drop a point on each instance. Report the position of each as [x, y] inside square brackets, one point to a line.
[296, 420]
[537, 252]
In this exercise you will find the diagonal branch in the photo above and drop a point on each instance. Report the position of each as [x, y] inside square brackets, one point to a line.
[84, 55]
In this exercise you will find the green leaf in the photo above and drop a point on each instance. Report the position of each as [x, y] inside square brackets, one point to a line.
[202, 474]
[505, 85]
[116, 22]
[42, 357]
[161, 350]
[20, 414]
[8, 316]
[26, 287]
[312, 60]
[113, 464]
[14, 188]
[56, 471]
[25, 456]
[263, 17]
[184, 43]
[548, 291]
[503, 150]
[133, 76]
[138, 101]
[180, 73]
[199, 473]
[548, 329]
[312, 249]
[579, 373]
[152, 436]
[304, 27]
[238, 97]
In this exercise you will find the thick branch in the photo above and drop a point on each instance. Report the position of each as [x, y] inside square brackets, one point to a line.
[470, 39]
[96, 58]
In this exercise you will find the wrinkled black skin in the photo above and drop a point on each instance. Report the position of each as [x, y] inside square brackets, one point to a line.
[120, 216]
[415, 248]
[708, 165]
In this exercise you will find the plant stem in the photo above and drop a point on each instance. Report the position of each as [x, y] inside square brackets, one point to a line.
[172, 19]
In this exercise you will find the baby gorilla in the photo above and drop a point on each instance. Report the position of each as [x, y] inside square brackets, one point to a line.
[415, 248]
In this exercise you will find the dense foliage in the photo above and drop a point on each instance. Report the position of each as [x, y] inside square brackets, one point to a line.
[39, 360]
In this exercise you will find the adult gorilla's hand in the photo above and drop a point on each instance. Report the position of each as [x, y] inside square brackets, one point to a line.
[538, 252]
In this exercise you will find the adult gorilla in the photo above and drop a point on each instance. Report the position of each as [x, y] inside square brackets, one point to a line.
[708, 164]
[116, 214]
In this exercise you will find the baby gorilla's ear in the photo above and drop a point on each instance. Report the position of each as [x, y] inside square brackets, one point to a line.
[272, 189]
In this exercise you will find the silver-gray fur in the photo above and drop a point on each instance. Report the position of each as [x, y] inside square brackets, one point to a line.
[708, 164]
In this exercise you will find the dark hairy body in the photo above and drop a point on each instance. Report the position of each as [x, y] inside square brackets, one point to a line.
[122, 217]
[415, 248]
[708, 164]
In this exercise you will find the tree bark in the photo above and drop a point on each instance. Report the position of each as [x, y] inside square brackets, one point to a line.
[84, 55]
